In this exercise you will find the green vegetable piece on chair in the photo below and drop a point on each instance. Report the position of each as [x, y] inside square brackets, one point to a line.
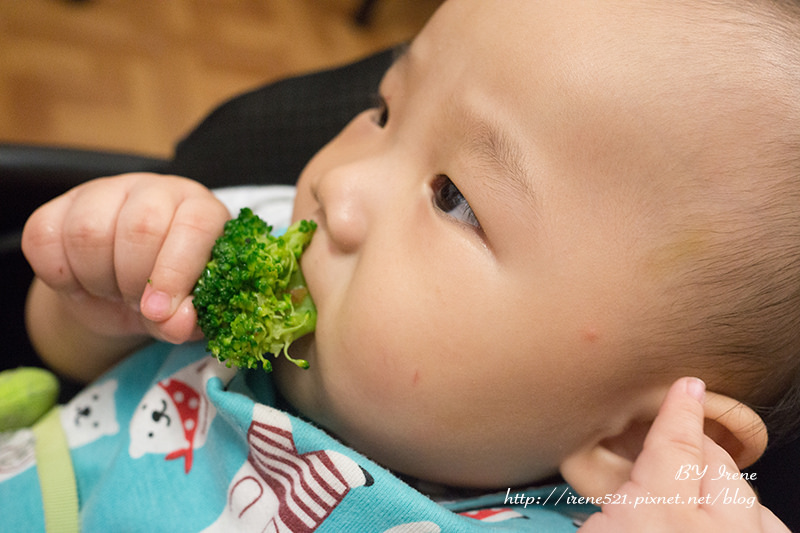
[251, 299]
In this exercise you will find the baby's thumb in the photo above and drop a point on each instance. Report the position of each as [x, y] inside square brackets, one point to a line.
[180, 327]
[679, 423]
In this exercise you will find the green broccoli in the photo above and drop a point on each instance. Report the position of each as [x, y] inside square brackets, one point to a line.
[252, 299]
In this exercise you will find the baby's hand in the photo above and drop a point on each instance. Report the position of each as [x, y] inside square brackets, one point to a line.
[125, 252]
[676, 439]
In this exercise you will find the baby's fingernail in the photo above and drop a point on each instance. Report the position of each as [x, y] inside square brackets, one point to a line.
[156, 305]
[696, 388]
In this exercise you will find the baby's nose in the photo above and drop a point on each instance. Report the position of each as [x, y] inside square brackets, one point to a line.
[344, 197]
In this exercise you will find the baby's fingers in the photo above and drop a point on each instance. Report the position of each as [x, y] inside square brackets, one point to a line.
[195, 225]
[43, 245]
[677, 481]
[675, 439]
[142, 228]
[178, 328]
[69, 241]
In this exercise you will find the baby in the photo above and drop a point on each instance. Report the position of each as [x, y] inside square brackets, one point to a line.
[557, 210]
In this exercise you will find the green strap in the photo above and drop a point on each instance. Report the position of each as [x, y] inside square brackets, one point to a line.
[56, 477]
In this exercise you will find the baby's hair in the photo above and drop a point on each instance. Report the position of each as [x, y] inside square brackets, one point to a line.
[740, 313]
[771, 305]
[744, 299]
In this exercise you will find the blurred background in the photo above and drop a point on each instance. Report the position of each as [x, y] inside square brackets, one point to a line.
[136, 75]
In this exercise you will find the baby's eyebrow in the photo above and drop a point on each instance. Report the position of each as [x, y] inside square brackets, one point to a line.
[488, 142]
[491, 145]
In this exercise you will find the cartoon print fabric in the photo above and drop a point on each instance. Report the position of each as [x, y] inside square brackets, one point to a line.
[91, 414]
[174, 416]
[280, 489]
[172, 440]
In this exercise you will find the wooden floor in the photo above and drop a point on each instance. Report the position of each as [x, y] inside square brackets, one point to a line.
[135, 75]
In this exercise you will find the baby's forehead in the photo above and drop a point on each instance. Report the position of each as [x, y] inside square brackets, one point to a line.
[648, 87]
[691, 84]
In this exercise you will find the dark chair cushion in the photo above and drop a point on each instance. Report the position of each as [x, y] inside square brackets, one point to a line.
[268, 135]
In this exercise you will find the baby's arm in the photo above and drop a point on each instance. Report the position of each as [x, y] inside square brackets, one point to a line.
[115, 262]
[677, 439]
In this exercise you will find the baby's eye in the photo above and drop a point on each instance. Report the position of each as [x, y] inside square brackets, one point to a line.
[380, 111]
[448, 199]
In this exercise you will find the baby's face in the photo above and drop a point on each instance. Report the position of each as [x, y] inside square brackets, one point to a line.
[479, 267]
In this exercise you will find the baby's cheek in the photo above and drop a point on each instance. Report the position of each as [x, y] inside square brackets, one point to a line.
[365, 366]
[362, 363]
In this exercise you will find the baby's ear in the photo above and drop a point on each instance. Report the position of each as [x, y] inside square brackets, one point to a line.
[735, 427]
[603, 466]
[600, 468]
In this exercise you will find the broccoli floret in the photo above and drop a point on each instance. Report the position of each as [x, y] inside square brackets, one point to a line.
[251, 299]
